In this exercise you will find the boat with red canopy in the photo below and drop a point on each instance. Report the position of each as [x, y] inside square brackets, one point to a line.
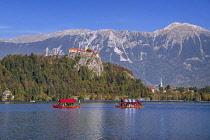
[129, 103]
[67, 103]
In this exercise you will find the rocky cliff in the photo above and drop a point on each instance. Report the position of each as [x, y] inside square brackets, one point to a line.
[88, 59]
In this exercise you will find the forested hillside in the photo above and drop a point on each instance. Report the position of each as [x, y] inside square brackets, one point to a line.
[49, 78]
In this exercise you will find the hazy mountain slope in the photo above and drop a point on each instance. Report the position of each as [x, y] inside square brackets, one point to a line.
[179, 53]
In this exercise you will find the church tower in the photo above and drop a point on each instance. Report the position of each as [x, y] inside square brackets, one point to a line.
[161, 82]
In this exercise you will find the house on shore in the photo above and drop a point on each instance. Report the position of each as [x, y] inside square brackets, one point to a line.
[7, 95]
[152, 89]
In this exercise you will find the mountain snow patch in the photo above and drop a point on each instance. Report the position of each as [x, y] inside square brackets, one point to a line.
[187, 66]
[194, 59]
[118, 51]
[142, 54]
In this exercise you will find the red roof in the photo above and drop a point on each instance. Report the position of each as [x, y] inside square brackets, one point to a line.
[74, 49]
[151, 88]
[67, 100]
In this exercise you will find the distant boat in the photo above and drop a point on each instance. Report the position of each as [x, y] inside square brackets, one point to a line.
[32, 101]
[129, 103]
[67, 103]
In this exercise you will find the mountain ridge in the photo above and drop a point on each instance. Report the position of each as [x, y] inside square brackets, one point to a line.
[43, 36]
[179, 53]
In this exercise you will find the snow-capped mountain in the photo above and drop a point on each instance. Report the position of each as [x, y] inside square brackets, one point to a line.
[179, 53]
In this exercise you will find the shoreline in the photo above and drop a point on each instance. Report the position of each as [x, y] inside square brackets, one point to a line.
[107, 101]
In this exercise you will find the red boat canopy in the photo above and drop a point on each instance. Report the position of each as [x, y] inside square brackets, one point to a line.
[67, 100]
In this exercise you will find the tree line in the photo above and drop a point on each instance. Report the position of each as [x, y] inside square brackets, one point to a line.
[50, 78]
[181, 93]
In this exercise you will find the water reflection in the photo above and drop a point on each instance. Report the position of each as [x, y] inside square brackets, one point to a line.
[104, 121]
[94, 121]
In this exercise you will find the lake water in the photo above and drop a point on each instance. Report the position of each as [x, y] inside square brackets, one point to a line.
[157, 121]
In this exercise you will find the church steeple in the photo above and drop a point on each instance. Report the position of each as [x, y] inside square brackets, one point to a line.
[161, 82]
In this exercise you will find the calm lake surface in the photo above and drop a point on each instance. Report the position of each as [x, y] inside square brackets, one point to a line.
[157, 121]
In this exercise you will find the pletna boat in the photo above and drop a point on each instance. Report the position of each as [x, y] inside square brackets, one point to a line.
[67, 103]
[129, 103]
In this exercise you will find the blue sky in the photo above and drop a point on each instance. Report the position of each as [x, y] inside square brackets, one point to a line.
[28, 17]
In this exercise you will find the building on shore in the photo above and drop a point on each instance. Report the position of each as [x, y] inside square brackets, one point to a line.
[7, 95]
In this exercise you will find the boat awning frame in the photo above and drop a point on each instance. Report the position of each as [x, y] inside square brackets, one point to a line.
[127, 102]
